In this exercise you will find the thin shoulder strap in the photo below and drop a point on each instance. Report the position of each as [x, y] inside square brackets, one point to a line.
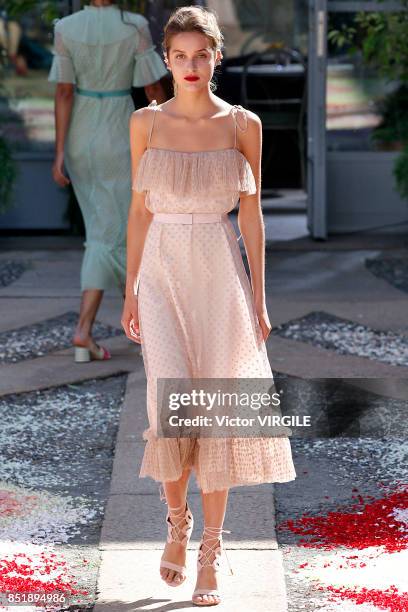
[153, 104]
[235, 109]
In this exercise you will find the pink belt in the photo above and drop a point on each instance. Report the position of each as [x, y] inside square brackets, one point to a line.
[189, 217]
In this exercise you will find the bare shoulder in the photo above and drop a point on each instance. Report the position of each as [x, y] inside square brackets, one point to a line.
[249, 124]
[140, 119]
[142, 114]
[249, 134]
[253, 118]
[139, 125]
[247, 118]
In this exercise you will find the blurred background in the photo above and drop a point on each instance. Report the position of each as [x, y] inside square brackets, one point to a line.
[327, 78]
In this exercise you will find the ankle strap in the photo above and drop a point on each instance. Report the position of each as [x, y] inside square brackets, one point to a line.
[214, 532]
[178, 511]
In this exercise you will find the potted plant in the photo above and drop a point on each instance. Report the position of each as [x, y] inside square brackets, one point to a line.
[392, 132]
[8, 175]
[8, 167]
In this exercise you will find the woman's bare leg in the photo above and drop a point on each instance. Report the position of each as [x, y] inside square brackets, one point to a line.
[176, 494]
[214, 508]
[91, 299]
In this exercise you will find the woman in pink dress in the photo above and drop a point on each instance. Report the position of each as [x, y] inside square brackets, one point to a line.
[189, 302]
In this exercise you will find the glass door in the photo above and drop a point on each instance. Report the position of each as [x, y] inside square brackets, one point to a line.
[346, 97]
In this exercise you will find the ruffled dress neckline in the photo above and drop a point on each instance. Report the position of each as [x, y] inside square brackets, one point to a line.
[194, 173]
[195, 152]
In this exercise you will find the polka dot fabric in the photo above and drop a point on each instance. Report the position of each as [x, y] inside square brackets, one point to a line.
[198, 320]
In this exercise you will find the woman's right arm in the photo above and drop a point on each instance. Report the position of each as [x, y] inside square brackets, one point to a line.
[139, 219]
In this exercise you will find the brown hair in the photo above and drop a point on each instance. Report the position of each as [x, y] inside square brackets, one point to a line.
[193, 19]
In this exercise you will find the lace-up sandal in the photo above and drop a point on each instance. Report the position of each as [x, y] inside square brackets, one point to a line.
[179, 528]
[214, 549]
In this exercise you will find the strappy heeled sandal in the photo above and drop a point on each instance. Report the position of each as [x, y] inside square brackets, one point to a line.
[177, 533]
[216, 548]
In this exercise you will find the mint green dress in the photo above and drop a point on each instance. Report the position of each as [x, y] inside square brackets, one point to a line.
[94, 49]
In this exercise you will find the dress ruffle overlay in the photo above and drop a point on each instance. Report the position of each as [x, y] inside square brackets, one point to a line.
[197, 315]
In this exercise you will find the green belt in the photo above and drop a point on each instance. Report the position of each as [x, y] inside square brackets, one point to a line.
[115, 93]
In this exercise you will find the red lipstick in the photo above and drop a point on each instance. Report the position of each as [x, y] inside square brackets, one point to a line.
[192, 77]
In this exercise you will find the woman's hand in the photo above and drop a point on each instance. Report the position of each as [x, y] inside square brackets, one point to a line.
[130, 318]
[57, 170]
[263, 319]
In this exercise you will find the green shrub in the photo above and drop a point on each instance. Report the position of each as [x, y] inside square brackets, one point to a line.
[8, 174]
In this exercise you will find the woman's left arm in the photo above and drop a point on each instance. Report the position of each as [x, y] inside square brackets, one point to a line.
[62, 72]
[64, 99]
[250, 219]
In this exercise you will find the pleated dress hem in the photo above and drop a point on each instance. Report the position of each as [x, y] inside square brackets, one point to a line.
[218, 463]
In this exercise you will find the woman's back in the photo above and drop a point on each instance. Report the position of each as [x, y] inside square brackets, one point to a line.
[98, 51]
[103, 57]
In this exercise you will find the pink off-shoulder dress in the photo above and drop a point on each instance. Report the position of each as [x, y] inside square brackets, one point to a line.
[196, 310]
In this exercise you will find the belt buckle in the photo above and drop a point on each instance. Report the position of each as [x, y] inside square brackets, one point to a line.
[188, 218]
